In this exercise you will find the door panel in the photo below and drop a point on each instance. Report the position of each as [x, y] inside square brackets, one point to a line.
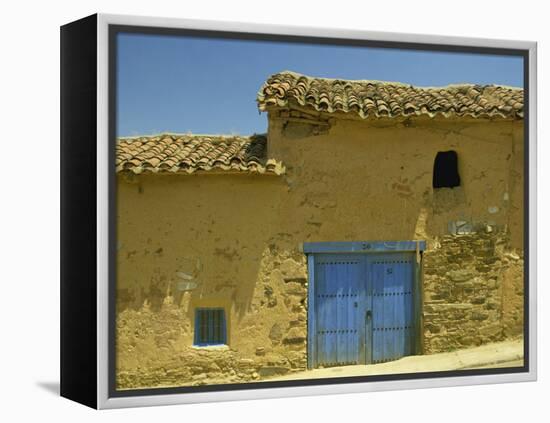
[363, 308]
[340, 309]
[392, 282]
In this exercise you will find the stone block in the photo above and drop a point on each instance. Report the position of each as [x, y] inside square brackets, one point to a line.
[260, 351]
[295, 288]
[478, 300]
[483, 268]
[276, 333]
[291, 268]
[491, 304]
[492, 331]
[295, 335]
[432, 328]
[480, 315]
[467, 340]
[460, 275]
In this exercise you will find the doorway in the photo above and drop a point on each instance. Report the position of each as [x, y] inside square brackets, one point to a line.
[364, 302]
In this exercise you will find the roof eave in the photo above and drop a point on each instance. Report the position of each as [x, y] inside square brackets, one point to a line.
[353, 115]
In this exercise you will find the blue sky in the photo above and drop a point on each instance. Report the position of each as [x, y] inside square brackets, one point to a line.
[200, 85]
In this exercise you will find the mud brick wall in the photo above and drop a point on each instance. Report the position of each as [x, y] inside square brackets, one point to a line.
[473, 291]
[154, 338]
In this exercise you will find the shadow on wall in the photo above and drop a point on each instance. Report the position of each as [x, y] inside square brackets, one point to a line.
[224, 276]
[193, 241]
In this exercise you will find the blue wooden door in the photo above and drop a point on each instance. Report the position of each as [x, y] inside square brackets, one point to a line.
[364, 310]
[340, 304]
[391, 279]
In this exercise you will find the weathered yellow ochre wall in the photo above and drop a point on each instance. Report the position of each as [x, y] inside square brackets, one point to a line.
[240, 235]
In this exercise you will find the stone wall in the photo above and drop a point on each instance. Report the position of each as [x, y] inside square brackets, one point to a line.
[285, 281]
[473, 291]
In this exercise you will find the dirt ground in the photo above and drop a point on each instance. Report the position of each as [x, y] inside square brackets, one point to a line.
[497, 355]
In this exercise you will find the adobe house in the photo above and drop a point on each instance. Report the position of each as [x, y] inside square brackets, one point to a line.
[374, 220]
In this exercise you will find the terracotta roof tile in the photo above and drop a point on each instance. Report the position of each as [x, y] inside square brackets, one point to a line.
[389, 99]
[193, 153]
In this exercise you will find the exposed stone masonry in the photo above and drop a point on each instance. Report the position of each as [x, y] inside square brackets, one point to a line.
[473, 291]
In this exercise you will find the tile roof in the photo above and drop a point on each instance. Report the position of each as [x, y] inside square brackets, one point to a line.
[389, 99]
[169, 153]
